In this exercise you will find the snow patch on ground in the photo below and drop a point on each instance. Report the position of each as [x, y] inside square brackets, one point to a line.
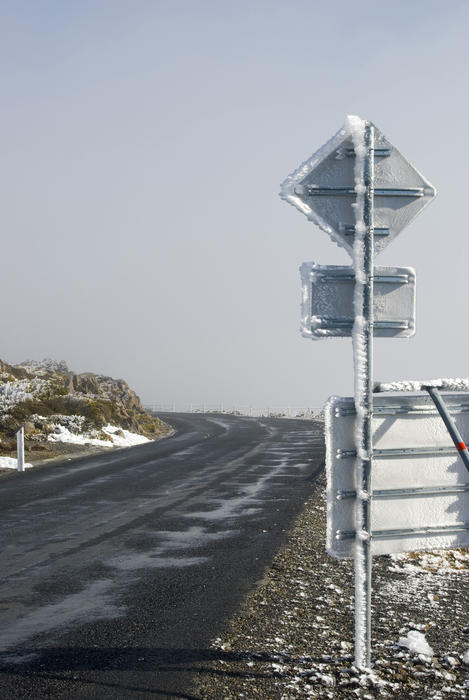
[109, 436]
[116, 437]
[11, 463]
[439, 561]
[306, 606]
[415, 641]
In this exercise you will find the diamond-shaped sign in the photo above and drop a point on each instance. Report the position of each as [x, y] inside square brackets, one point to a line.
[323, 188]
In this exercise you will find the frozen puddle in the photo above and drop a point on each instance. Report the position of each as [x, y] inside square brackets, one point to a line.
[142, 560]
[249, 500]
[226, 510]
[163, 556]
[95, 601]
[90, 604]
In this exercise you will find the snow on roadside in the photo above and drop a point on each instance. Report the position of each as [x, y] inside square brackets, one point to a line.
[11, 463]
[437, 561]
[293, 636]
[415, 641]
[117, 437]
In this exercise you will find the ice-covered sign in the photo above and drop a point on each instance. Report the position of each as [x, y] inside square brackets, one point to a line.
[420, 486]
[327, 301]
[362, 192]
[324, 188]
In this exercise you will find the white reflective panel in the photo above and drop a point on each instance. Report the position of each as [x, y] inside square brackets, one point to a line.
[327, 301]
[420, 485]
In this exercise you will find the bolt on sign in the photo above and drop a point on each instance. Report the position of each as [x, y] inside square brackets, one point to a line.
[363, 192]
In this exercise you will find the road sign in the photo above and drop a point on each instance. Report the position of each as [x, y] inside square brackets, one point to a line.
[324, 188]
[327, 301]
[420, 490]
[363, 192]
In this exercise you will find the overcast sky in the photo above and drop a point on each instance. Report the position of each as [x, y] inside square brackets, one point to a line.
[143, 145]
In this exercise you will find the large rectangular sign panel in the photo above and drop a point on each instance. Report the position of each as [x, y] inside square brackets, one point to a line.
[327, 301]
[420, 486]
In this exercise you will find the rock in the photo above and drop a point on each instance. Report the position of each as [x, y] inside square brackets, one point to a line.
[17, 371]
[29, 428]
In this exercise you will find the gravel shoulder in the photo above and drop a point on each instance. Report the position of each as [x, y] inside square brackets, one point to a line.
[293, 637]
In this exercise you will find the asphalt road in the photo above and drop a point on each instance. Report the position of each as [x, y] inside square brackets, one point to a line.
[119, 569]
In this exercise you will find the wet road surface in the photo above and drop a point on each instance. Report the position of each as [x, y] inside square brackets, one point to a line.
[119, 569]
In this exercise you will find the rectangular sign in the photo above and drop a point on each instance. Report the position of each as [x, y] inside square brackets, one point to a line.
[420, 486]
[327, 301]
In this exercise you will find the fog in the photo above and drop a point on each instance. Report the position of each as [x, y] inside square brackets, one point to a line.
[143, 148]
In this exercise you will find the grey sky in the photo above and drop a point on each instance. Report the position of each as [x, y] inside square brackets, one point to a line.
[143, 145]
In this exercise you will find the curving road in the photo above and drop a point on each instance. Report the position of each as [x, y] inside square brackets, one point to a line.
[119, 569]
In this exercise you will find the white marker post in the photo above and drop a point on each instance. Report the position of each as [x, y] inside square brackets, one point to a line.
[20, 449]
[362, 192]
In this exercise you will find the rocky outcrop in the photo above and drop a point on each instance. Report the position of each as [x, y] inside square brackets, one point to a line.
[48, 388]
[14, 371]
[99, 386]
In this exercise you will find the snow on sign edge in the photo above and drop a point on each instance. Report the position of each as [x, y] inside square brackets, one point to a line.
[456, 384]
[330, 494]
[287, 188]
[352, 129]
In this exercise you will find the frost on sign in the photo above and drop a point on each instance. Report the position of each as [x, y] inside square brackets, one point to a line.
[327, 301]
[323, 188]
[420, 486]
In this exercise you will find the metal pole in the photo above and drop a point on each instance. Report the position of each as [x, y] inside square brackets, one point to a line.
[450, 424]
[20, 449]
[364, 261]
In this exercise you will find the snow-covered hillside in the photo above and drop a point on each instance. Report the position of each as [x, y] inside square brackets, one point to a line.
[55, 405]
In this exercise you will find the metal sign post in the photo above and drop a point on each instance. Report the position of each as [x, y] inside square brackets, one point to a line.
[362, 192]
[363, 356]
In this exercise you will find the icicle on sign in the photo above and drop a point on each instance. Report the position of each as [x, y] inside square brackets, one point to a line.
[362, 192]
